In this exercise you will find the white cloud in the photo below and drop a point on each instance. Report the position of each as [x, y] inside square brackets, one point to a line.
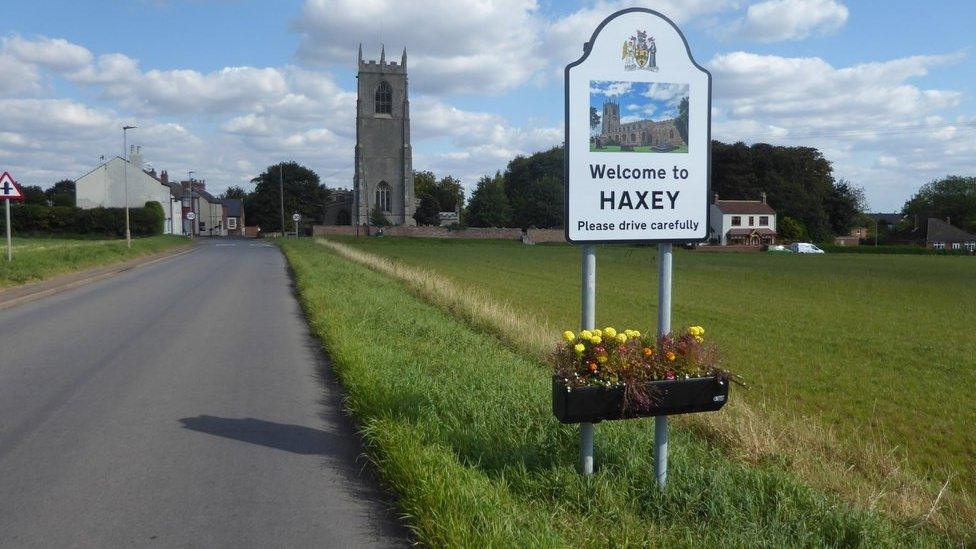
[776, 20]
[51, 53]
[466, 46]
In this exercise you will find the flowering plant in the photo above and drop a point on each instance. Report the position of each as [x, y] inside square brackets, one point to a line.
[608, 358]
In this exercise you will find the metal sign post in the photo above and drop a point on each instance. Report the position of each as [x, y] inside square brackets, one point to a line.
[643, 180]
[588, 322]
[296, 217]
[10, 246]
[663, 328]
[9, 190]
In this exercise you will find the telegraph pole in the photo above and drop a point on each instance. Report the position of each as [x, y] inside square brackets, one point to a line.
[125, 179]
[281, 191]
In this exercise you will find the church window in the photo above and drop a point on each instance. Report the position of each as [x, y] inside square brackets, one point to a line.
[672, 134]
[384, 98]
[633, 137]
[383, 196]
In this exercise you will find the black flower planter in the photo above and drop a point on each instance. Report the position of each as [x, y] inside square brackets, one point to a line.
[669, 397]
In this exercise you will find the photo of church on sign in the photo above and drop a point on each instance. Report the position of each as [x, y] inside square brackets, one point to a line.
[646, 117]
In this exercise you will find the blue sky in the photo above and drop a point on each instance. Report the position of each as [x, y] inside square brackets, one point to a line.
[226, 87]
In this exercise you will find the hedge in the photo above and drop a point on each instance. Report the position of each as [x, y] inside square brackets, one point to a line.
[28, 219]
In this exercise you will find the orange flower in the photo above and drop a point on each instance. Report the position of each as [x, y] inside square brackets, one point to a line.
[648, 351]
[593, 366]
[670, 356]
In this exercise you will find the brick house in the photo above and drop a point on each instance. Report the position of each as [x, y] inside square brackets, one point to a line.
[940, 235]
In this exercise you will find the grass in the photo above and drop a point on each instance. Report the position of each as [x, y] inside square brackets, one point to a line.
[459, 426]
[845, 354]
[35, 259]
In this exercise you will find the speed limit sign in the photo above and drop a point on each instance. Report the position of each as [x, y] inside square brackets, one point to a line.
[191, 216]
[296, 217]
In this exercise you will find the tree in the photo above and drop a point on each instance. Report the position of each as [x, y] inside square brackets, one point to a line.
[435, 196]
[377, 219]
[33, 194]
[682, 120]
[534, 187]
[302, 190]
[844, 206]
[489, 205]
[594, 118]
[61, 193]
[234, 191]
[952, 198]
[791, 229]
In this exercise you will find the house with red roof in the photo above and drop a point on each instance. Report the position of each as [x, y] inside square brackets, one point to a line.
[742, 222]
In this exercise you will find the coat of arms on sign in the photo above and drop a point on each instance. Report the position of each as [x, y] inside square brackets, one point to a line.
[640, 53]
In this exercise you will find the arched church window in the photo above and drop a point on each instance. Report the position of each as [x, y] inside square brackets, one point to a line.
[384, 98]
[672, 134]
[383, 196]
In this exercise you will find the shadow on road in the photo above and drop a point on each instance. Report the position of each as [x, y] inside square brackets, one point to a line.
[281, 436]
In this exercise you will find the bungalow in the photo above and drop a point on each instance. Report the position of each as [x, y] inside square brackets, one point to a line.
[940, 235]
[107, 185]
[742, 222]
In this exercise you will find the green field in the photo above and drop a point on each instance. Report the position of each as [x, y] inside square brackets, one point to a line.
[39, 258]
[616, 148]
[866, 346]
[459, 424]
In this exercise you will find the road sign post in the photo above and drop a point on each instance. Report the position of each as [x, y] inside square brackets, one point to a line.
[641, 175]
[296, 217]
[9, 190]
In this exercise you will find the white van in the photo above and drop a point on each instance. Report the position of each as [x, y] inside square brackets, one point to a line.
[805, 248]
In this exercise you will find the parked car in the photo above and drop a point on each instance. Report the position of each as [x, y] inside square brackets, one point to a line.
[805, 248]
[778, 248]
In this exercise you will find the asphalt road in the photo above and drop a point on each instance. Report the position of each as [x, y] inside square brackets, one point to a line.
[180, 404]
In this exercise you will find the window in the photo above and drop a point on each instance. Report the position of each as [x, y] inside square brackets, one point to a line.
[672, 134]
[956, 245]
[752, 221]
[231, 223]
[384, 98]
[736, 220]
[938, 245]
[383, 196]
[764, 221]
[971, 246]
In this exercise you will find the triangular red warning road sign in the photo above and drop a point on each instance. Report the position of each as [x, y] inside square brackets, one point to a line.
[9, 189]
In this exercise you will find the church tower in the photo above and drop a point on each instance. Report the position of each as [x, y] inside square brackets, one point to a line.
[611, 116]
[384, 165]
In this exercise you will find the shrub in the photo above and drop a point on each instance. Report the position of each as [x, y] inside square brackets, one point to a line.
[27, 219]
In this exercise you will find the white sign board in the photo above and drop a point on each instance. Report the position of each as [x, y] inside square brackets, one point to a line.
[296, 217]
[191, 216]
[638, 135]
[9, 189]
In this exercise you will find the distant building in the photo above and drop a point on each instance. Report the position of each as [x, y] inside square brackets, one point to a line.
[940, 235]
[742, 222]
[233, 216]
[208, 209]
[105, 187]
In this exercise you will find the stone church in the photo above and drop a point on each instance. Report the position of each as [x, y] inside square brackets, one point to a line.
[383, 177]
[660, 135]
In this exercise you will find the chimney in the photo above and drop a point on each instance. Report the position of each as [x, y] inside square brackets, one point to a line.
[764, 197]
[164, 177]
[716, 198]
[135, 156]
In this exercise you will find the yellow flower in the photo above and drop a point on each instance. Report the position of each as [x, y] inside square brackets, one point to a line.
[621, 338]
[598, 332]
[596, 340]
[586, 334]
[569, 336]
[610, 331]
[579, 348]
[601, 359]
[636, 334]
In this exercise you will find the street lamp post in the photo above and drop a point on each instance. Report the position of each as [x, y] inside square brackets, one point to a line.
[125, 182]
[281, 192]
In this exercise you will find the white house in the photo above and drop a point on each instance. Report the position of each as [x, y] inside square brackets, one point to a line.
[105, 187]
[744, 222]
[211, 218]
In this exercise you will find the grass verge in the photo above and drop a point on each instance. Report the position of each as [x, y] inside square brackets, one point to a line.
[459, 425]
[35, 259]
